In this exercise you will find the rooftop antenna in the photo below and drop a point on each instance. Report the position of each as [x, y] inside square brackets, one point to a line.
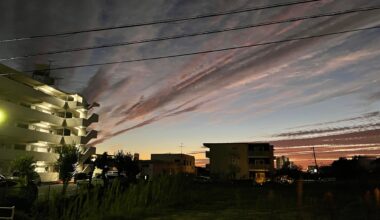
[181, 146]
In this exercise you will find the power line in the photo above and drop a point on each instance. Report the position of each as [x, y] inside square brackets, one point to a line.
[194, 34]
[160, 21]
[213, 51]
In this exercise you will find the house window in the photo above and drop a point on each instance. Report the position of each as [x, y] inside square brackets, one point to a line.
[259, 162]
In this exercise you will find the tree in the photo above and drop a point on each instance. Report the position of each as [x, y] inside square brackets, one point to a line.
[347, 169]
[132, 167]
[294, 171]
[25, 167]
[120, 162]
[68, 156]
[125, 162]
[102, 162]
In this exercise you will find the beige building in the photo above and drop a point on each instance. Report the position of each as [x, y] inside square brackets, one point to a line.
[167, 164]
[240, 160]
[37, 119]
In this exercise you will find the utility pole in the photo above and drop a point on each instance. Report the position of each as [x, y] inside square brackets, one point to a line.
[315, 159]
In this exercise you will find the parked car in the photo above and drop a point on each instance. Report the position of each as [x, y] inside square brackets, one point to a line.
[113, 174]
[284, 179]
[80, 178]
[202, 179]
[36, 179]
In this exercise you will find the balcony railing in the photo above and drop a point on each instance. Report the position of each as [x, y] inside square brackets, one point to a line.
[260, 154]
[74, 122]
[81, 139]
[29, 136]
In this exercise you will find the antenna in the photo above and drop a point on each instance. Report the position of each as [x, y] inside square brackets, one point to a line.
[181, 146]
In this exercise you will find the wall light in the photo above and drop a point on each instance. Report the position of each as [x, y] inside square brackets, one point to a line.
[3, 116]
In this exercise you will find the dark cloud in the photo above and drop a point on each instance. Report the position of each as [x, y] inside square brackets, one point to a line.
[329, 130]
[365, 116]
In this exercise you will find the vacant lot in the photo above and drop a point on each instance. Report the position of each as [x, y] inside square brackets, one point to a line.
[298, 201]
[180, 198]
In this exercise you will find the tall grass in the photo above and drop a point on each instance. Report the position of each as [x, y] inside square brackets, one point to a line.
[117, 201]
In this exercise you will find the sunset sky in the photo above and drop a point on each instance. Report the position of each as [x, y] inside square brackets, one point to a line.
[324, 92]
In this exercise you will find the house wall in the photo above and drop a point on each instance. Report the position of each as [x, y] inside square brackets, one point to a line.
[239, 160]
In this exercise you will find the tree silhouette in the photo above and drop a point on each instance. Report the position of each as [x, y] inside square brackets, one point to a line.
[347, 169]
[68, 156]
[103, 162]
[25, 167]
[120, 162]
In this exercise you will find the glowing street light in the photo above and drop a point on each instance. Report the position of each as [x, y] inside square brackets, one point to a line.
[3, 116]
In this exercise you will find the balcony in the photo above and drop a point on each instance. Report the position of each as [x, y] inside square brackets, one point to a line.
[38, 156]
[81, 139]
[21, 91]
[23, 135]
[260, 154]
[87, 153]
[74, 104]
[29, 115]
[76, 122]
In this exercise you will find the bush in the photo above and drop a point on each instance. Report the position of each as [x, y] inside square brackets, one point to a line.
[117, 201]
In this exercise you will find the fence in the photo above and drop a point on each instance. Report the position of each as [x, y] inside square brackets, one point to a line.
[12, 213]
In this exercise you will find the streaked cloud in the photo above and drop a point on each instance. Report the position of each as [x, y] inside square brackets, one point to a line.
[226, 88]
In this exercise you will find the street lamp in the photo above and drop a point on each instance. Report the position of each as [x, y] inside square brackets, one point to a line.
[3, 116]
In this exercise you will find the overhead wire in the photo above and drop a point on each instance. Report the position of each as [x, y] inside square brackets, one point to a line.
[215, 50]
[163, 21]
[337, 13]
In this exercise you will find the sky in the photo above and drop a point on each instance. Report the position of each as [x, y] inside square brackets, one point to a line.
[322, 92]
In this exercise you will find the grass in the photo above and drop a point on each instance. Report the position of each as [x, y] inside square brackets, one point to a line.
[178, 198]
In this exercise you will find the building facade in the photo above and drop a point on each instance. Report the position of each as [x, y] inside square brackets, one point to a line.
[240, 160]
[185, 163]
[38, 119]
[167, 164]
[282, 161]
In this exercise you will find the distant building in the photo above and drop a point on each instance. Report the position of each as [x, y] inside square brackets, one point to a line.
[167, 164]
[283, 161]
[136, 156]
[240, 160]
[37, 120]
[186, 163]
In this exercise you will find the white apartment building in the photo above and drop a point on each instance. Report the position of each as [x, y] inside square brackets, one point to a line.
[36, 119]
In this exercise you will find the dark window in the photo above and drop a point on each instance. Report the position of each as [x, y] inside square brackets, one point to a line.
[66, 132]
[69, 115]
[22, 126]
[251, 147]
[25, 105]
[20, 146]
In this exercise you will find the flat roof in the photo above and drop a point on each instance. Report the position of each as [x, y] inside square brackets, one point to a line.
[170, 154]
[22, 78]
[227, 143]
